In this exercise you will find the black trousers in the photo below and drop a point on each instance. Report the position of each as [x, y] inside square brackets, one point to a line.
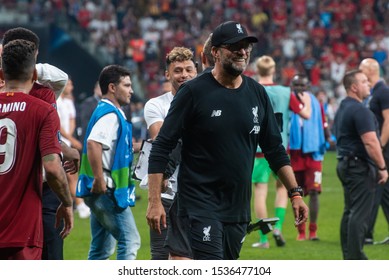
[358, 179]
[381, 198]
[52, 241]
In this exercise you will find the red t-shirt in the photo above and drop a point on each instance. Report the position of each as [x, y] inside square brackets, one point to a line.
[299, 8]
[319, 32]
[280, 18]
[138, 47]
[301, 161]
[315, 75]
[368, 26]
[29, 130]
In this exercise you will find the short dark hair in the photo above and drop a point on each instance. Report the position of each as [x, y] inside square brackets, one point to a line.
[112, 74]
[20, 33]
[349, 78]
[18, 60]
[300, 78]
[207, 50]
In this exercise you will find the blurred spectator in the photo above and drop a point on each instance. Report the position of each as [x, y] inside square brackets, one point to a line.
[67, 115]
[322, 97]
[299, 11]
[307, 61]
[260, 20]
[338, 69]
[353, 57]
[379, 51]
[332, 107]
[86, 110]
[134, 115]
[280, 17]
[289, 49]
[368, 23]
[300, 36]
[287, 72]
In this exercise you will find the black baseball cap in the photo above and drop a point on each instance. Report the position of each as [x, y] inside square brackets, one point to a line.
[230, 32]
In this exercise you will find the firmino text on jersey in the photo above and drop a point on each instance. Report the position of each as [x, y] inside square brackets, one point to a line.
[13, 107]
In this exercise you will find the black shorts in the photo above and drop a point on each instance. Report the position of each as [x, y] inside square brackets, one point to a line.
[157, 241]
[202, 238]
[52, 240]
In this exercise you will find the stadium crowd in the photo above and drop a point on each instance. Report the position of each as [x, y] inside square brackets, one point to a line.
[322, 38]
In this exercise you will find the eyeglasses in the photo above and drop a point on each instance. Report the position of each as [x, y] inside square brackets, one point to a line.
[238, 46]
[299, 85]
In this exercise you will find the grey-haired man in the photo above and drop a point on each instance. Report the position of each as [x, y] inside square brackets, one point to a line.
[221, 117]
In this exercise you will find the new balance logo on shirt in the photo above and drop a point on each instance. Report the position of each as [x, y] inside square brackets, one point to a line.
[216, 113]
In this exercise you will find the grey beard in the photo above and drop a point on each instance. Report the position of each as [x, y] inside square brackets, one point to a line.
[232, 71]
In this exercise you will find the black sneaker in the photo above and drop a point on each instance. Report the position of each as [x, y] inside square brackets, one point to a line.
[368, 241]
[280, 241]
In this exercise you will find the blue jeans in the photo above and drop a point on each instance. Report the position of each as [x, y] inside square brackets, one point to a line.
[109, 224]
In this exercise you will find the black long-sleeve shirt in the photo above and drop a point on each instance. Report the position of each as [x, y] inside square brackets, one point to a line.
[220, 130]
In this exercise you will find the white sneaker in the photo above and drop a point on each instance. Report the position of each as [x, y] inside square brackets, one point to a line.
[83, 210]
[262, 245]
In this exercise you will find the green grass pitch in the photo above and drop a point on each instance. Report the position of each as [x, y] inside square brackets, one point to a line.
[328, 248]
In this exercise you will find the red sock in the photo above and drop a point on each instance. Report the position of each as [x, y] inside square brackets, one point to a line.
[301, 228]
[312, 227]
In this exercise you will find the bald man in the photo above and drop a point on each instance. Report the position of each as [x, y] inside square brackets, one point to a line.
[379, 105]
[207, 60]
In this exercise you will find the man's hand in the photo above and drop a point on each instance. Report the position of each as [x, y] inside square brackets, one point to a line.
[71, 167]
[71, 159]
[382, 176]
[155, 215]
[304, 97]
[164, 185]
[76, 144]
[99, 186]
[64, 213]
[300, 210]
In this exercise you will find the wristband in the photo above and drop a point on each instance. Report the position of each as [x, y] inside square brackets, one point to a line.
[295, 196]
[382, 169]
[298, 190]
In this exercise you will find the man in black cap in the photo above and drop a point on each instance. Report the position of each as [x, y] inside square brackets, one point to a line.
[221, 117]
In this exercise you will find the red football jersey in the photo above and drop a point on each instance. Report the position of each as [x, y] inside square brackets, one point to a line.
[29, 130]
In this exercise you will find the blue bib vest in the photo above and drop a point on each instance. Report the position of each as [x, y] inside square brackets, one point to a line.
[280, 98]
[124, 192]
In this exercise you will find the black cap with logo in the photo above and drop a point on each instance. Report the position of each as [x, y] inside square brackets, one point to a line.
[230, 32]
